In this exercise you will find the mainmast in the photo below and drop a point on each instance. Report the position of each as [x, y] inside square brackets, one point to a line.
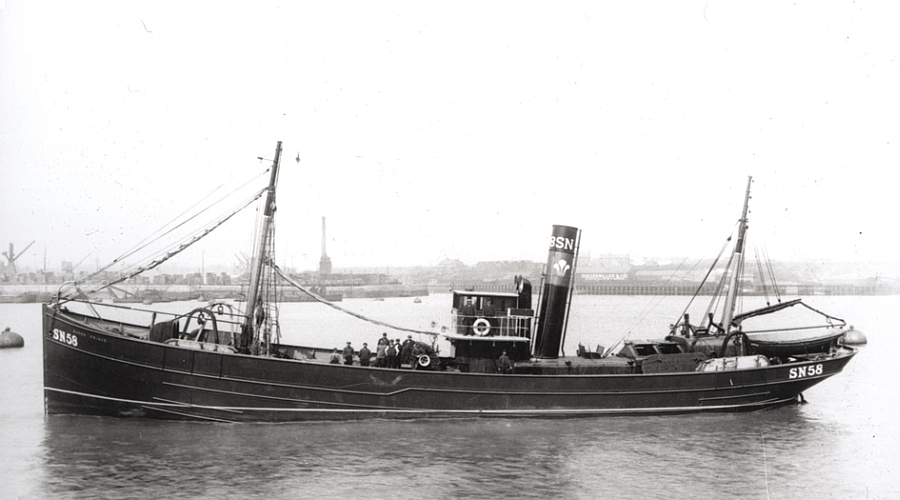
[251, 326]
[737, 260]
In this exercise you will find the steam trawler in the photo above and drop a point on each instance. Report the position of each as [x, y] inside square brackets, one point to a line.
[223, 364]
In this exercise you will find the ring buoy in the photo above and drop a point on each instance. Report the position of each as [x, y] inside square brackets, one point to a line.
[481, 327]
[424, 361]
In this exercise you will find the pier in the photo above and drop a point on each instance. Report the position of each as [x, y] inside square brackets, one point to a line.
[639, 288]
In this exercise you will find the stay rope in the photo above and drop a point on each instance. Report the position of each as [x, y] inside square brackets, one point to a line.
[166, 255]
[319, 298]
[705, 278]
[163, 232]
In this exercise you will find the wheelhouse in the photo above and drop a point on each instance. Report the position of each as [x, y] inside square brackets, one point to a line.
[485, 324]
[491, 314]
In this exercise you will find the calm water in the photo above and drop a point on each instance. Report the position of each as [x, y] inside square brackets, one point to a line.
[841, 445]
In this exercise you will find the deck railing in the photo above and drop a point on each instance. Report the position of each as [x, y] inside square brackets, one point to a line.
[491, 326]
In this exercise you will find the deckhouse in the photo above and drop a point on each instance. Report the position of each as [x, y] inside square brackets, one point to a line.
[484, 324]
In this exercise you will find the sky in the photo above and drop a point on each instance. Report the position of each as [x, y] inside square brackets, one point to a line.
[453, 131]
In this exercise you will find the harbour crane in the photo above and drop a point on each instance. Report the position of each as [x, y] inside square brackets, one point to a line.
[11, 257]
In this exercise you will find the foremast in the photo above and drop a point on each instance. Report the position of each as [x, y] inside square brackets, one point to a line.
[737, 260]
[254, 315]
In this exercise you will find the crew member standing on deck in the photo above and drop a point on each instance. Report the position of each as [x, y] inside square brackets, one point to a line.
[381, 350]
[381, 354]
[364, 355]
[504, 365]
[406, 351]
[391, 355]
[348, 354]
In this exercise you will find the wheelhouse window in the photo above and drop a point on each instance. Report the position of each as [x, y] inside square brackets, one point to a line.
[490, 314]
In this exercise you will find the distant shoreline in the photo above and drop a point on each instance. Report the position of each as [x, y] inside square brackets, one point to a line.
[187, 292]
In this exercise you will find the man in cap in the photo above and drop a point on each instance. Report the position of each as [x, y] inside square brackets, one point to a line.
[406, 350]
[364, 355]
[504, 364]
[348, 354]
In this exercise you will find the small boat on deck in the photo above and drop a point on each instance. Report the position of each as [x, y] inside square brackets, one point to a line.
[781, 345]
[225, 364]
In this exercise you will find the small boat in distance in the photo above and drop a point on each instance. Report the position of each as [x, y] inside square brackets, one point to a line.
[225, 364]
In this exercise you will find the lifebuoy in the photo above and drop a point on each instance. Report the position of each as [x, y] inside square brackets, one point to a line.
[481, 327]
[424, 361]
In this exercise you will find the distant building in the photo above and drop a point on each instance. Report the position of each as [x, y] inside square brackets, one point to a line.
[507, 268]
[604, 268]
[451, 266]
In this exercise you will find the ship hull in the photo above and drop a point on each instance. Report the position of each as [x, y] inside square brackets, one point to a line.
[93, 372]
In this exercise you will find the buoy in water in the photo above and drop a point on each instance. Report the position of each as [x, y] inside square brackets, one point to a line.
[854, 337]
[11, 339]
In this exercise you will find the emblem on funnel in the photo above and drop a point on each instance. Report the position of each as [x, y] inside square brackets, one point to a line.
[561, 267]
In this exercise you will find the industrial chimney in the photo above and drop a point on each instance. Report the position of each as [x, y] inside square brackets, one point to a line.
[324, 261]
[553, 309]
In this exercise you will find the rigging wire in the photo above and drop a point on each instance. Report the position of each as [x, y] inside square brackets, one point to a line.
[739, 269]
[717, 295]
[772, 275]
[188, 210]
[184, 241]
[162, 232]
[322, 300]
[271, 293]
[654, 302]
[705, 278]
[762, 277]
[828, 319]
[171, 253]
[648, 308]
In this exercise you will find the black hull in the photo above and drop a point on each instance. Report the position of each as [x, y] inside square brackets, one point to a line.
[88, 371]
